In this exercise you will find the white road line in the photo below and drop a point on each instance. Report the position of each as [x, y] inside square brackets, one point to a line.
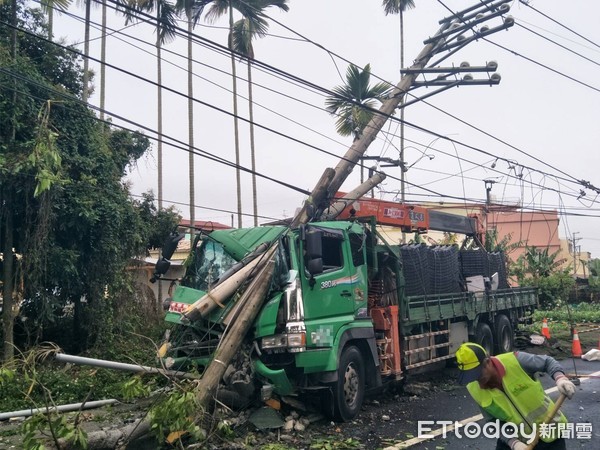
[435, 433]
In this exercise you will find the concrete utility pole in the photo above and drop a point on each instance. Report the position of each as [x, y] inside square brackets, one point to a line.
[488, 202]
[574, 250]
[359, 147]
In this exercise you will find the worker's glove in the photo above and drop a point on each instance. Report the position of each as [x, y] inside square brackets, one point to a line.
[516, 444]
[565, 386]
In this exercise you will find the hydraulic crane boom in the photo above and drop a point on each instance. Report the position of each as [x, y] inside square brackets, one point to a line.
[411, 218]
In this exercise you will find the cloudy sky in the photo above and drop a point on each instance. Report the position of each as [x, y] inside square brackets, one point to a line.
[541, 121]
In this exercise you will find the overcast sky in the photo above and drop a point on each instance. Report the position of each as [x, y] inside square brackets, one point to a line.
[543, 116]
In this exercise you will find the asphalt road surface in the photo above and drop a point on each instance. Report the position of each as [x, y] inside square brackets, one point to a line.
[582, 412]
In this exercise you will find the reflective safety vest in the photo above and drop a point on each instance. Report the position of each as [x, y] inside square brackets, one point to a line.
[523, 400]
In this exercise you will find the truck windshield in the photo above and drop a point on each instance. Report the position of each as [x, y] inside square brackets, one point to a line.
[209, 261]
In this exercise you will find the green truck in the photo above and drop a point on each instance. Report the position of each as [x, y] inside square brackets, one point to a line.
[345, 311]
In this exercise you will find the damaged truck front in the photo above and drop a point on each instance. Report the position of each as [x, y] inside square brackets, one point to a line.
[338, 319]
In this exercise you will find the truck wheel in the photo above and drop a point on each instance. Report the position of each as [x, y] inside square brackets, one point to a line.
[484, 337]
[503, 334]
[349, 390]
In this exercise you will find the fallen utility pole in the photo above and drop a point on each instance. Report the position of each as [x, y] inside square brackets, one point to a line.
[83, 361]
[335, 209]
[360, 146]
[248, 307]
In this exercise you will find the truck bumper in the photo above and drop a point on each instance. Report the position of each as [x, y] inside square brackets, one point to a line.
[278, 378]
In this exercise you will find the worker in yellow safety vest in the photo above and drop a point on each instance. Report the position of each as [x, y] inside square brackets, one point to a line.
[505, 389]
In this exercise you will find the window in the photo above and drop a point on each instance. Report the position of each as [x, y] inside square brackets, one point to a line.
[209, 262]
[333, 256]
[357, 245]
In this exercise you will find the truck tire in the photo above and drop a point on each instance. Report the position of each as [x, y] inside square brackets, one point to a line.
[484, 337]
[503, 334]
[349, 390]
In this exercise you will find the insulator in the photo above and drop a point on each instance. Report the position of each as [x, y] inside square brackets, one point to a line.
[465, 64]
[468, 77]
[492, 65]
[495, 77]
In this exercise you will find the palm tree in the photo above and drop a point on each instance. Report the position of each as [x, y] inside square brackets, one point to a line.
[192, 9]
[220, 8]
[102, 61]
[243, 32]
[355, 102]
[48, 7]
[166, 26]
[398, 7]
[86, 50]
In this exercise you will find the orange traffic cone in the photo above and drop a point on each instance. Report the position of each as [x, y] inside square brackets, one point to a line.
[576, 349]
[545, 329]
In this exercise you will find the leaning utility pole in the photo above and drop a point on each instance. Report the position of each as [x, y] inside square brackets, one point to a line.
[450, 37]
[315, 204]
[330, 182]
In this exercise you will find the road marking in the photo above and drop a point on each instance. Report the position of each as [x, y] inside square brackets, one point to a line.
[414, 441]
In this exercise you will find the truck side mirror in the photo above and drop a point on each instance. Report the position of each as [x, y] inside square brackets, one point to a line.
[162, 266]
[170, 245]
[314, 245]
[315, 266]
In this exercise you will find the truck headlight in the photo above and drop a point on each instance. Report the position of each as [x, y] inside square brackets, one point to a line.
[276, 341]
[296, 342]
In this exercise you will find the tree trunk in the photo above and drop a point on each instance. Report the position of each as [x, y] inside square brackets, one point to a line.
[191, 131]
[111, 439]
[102, 62]
[7, 209]
[252, 149]
[8, 316]
[159, 129]
[238, 180]
[86, 51]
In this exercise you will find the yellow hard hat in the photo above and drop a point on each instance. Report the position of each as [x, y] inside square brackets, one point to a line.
[469, 357]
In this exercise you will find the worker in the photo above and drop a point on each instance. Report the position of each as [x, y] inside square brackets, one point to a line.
[505, 389]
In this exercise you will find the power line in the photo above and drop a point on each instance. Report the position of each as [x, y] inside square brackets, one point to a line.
[222, 49]
[330, 153]
[527, 3]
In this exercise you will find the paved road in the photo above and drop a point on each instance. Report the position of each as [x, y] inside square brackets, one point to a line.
[457, 406]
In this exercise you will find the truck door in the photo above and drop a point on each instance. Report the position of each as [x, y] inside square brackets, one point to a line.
[328, 285]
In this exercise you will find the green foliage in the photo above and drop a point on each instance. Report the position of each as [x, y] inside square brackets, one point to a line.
[276, 447]
[540, 268]
[581, 313]
[353, 103]
[61, 174]
[6, 376]
[30, 431]
[505, 244]
[535, 264]
[45, 159]
[177, 412]
[334, 444]
[41, 426]
[134, 388]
